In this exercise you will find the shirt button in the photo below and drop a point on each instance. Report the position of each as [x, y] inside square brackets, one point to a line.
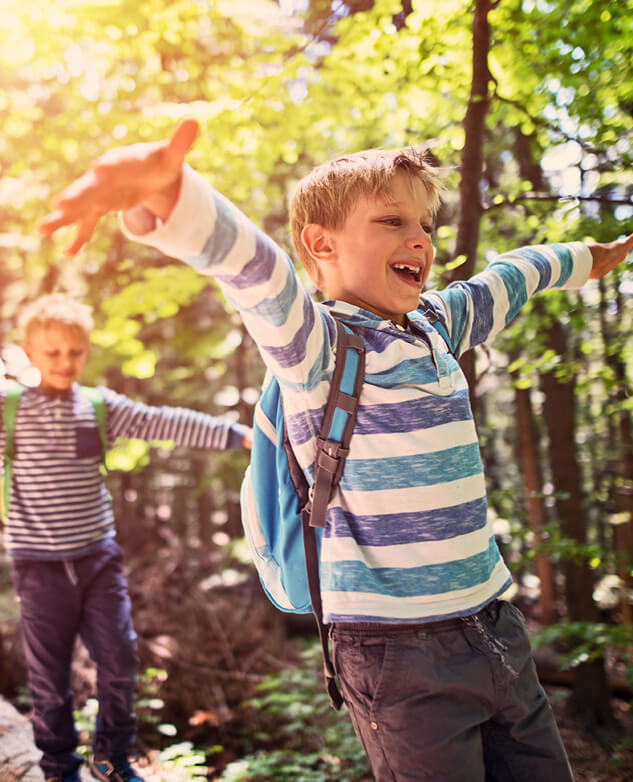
[374, 725]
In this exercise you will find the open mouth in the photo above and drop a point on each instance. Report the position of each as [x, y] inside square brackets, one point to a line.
[408, 272]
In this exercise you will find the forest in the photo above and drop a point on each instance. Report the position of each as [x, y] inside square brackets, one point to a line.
[528, 105]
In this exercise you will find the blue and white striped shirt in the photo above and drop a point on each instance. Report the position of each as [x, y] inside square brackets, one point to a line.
[59, 505]
[408, 538]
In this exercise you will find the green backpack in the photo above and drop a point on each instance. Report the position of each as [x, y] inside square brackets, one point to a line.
[9, 415]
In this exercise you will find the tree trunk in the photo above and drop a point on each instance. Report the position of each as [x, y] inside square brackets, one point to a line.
[622, 478]
[527, 430]
[470, 209]
[532, 479]
[590, 691]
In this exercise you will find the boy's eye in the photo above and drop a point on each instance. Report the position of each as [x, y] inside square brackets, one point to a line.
[392, 221]
[428, 229]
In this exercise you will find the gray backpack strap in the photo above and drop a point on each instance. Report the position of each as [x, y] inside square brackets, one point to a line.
[332, 450]
[438, 324]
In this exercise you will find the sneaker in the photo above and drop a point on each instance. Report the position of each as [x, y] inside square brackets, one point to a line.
[118, 769]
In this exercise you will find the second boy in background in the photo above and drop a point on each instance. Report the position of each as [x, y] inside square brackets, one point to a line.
[60, 535]
[436, 671]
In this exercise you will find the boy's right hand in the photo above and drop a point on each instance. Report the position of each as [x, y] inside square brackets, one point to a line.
[147, 174]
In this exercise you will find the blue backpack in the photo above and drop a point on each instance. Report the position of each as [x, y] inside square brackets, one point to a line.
[284, 517]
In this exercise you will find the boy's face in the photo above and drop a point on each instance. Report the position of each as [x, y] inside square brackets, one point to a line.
[382, 256]
[59, 352]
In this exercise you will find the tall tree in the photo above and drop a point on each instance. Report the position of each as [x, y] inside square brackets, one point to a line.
[591, 694]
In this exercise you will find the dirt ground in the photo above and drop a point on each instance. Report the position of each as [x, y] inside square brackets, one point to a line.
[600, 756]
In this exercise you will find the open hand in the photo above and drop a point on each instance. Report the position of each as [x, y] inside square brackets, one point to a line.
[120, 179]
[606, 256]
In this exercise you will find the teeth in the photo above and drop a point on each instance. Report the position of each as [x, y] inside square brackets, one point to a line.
[415, 270]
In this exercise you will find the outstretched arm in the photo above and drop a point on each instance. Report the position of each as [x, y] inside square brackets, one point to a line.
[146, 174]
[606, 256]
[477, 309]
[181, 425]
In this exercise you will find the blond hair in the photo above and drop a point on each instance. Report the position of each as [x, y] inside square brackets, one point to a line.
[55, 309]
[329, 192]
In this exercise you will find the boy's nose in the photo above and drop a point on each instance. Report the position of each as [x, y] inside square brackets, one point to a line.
[419, 240]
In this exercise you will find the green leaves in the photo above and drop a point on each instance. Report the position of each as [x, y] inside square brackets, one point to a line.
[301, 737]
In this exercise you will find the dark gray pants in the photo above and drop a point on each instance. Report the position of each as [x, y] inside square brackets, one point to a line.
[455, 700]
[58, 601]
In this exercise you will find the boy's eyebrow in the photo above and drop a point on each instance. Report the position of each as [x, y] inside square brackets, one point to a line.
[389, 202]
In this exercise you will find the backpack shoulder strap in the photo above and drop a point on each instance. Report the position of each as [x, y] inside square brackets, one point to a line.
[101, 414]
[338, 420]
[435, 319]
[332, 449]
[9, 416]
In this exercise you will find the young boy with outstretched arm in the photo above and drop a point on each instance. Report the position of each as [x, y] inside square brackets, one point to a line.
[60, 534]
[435, 669]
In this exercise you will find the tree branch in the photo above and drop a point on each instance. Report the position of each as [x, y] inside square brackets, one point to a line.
[550, 197]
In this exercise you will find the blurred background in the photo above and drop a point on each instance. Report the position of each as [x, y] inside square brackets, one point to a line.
[529, 106]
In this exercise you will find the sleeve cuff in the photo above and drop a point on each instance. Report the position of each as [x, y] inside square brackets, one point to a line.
[187, 228]
[583, 263]
[236, 436]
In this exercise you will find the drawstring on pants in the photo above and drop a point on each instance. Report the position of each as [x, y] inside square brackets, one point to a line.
[492, 644]
[71, 573]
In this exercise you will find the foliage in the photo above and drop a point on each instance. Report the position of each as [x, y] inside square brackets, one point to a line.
[183, 763]
[588, 641]
[147, 706]
[179, 762]
[305, 739]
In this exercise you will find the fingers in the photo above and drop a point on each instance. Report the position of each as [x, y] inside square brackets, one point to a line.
[606, 256]
[621, 249]
[85, 229]
[49, 224]
[182, 139]
[69, 205]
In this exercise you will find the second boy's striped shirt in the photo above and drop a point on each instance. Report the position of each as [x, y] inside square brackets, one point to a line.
[59, 506]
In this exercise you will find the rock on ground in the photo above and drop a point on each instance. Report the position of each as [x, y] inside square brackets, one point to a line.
[19, 757]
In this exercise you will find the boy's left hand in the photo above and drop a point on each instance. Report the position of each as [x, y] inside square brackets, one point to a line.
[607, 255]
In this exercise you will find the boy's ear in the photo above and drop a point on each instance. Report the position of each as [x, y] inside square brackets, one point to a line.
[318, 242]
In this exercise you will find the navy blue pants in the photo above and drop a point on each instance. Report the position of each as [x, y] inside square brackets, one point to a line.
[59, 601]
[455, 700]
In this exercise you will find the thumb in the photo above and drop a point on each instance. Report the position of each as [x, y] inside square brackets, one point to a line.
[182, 139]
